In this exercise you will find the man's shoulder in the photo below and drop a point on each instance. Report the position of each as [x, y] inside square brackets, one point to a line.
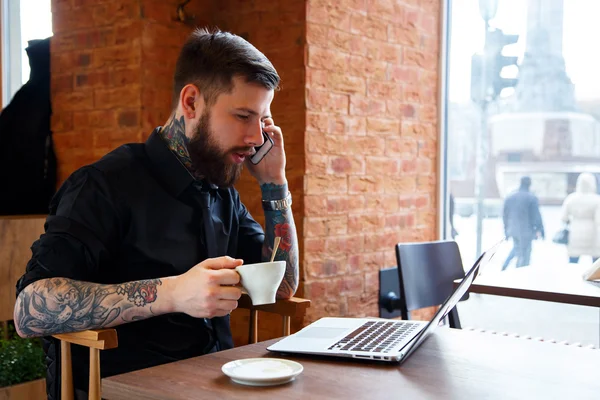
[119, 165]
[121, 159]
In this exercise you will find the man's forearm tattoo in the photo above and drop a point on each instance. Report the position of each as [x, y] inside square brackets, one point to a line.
[281, 223]
[60, 305]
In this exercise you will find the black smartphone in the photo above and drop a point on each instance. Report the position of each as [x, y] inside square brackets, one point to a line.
[262, 150]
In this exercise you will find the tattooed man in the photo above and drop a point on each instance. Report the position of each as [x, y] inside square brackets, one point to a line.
[147, 238]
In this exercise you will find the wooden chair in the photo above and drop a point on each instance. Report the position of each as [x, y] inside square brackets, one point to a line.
[103, 339]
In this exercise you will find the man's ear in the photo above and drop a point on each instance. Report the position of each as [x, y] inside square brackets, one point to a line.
[192, 103]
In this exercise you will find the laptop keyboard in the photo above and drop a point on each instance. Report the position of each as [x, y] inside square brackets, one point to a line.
[376, 336]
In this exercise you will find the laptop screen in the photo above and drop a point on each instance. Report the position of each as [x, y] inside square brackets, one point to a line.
[454, 298]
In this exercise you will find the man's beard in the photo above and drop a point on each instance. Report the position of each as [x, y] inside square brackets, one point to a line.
[208, 160]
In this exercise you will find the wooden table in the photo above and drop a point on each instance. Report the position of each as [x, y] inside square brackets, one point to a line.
[557, 283]
[451, 364]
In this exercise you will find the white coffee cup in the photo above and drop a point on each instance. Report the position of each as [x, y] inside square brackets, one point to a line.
[262, 280]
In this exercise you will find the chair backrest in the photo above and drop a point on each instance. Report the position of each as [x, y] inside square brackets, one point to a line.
[426, 272]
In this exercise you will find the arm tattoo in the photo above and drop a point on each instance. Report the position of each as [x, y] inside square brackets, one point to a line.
[281, 223]
[61, 305]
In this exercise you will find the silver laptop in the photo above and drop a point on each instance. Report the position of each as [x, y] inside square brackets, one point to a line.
[372, 338]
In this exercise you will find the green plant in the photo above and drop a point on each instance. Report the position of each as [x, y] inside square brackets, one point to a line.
[21, 360]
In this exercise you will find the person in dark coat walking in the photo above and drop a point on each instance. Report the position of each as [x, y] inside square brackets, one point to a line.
[522, 222]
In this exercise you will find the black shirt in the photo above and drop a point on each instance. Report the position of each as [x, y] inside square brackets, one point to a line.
[135, 214]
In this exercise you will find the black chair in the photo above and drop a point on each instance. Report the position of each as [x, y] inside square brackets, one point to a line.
[426, 272]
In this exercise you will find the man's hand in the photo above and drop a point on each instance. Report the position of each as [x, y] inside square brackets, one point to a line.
[271, 169]
[206, 290]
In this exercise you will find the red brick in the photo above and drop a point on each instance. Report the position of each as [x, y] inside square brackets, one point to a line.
[72, 101]
[62, 83]
[409, 166]
[426, 183]
[68, 61]
[344, 244]
[126, 76]
[403, 184]
[425, 219]
[345, 83]
[332, 266]
[317, 34]
[158, 11]
[365, 184]
[425, 166]
[327, 144]
[318, 122]
[110, 13]
[416, 130]
[347, 165]
[428, 112]
[377, 107]
[405, 74]
[62, 121]
[326, 59]
[71, 20]
[426, 149]
[128, 96]
[385, 90]
[315, 290]
[329, 226]
[404, 147]
[356, 126]
[342, 41]
[382, 202]
[85, 120]
[382, 166]
[353, 284]
[404, 35]
[321, 100]
[399, 221]
[369, 27]
[316, 164]
[92, 79]
[326, 184]
[316, 13]
[385, 10]
[419, 58]
[365, 223]
[359, 105]
[156, 97]
[315, 205]
[368, 145]
[117, 56]
[128, 118]
[345, 204]
[383, 127]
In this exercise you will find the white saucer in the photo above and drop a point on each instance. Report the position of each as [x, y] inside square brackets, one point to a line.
[262, 371]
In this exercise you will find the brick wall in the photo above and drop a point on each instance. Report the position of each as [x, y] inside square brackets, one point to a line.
[358, 108]
[371, 137]
[112, 65]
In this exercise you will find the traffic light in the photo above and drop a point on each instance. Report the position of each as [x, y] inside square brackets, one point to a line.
[495, 41]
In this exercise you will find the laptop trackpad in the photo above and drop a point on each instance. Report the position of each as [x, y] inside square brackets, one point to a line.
[321, 333]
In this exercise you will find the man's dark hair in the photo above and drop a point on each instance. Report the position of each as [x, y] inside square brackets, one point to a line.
[210, 59]
[525, 182]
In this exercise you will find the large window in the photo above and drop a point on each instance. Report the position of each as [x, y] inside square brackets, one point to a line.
[537, 117]
[521, 119]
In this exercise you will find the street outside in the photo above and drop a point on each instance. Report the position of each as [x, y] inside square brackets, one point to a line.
[561, 322]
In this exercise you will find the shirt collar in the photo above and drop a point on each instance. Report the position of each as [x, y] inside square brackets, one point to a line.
[169, 170]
